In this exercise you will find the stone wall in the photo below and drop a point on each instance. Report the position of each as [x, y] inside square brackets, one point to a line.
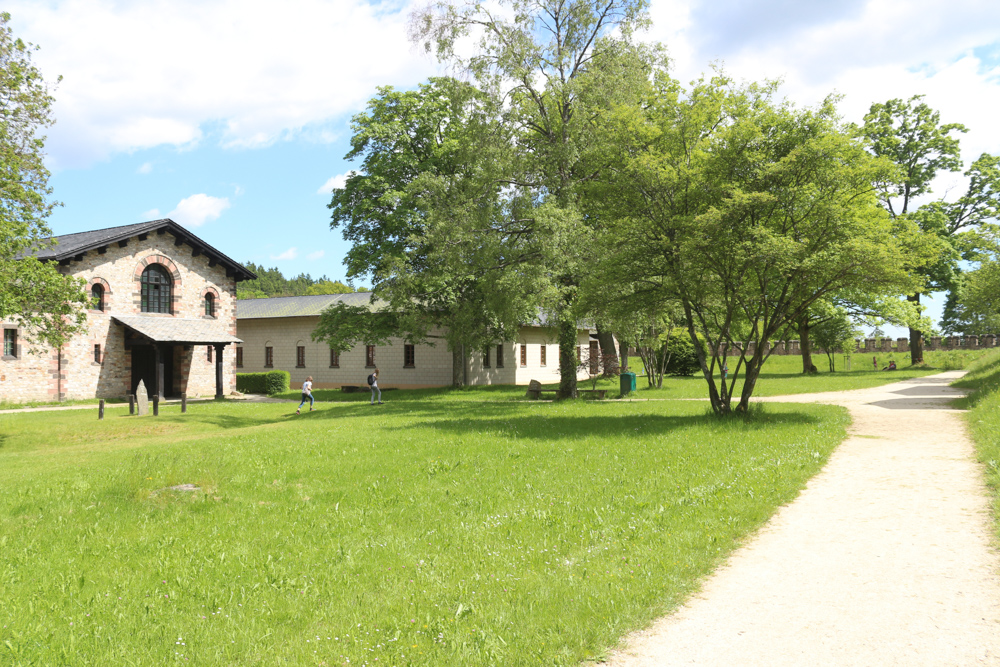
[73, 373]
[899, 345]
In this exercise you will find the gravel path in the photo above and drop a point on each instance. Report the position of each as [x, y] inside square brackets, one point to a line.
[884, 559]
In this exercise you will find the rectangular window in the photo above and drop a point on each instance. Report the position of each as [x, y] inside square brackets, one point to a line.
[595, 357]
[268, 357]
[579, 353]
[486, 357]
[524, 355]
[10, 342]
[543, 349]
[97, 353]
[369, 356]
[499, 356]
[209, 357]
[409, 356]
[334, 359]
[239, 357]
[300, 356]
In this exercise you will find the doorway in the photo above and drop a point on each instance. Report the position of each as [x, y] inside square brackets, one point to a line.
[144, 368]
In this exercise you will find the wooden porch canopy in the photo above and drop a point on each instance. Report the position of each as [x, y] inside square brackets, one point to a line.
[160, 332]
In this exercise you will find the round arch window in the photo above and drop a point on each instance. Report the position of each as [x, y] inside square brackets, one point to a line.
[156, 288]
[210, 305]
[97, 297]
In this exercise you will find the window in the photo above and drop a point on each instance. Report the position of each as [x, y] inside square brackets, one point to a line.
[595, 357]
[369, 356]
[156, 285]
[409, 356]
[268, 357]
[579, 353]
[499, 356]
[209, 353]
[542, 350]
[10, 342]
[300, 356]
[486, 357]
[524, 355]
[97, 297]
[210, 305]
[334, 359]
[239, 357]
[97, 353]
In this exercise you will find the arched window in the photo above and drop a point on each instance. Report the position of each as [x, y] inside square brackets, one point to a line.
[156, 284]
[97, 297]
[210, 305]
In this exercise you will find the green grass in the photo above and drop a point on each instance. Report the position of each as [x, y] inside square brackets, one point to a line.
[983, 403]
[782, 375]
[441, 531]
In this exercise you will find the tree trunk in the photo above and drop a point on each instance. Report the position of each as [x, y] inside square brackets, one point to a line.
[567, 358]
[623, 355]
[458, 366]
[609, 357]
[805, 348]
[916, 337]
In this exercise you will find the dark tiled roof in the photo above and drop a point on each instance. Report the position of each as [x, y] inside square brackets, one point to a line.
[187, 330]
[296, 306]
[68, 246]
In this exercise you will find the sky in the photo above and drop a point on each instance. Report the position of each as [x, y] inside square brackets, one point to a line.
[232, 117]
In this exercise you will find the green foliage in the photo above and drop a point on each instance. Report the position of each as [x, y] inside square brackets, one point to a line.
[454, 530]
[681, 357]
[342, 326]
[271, 282]
[270, 382]
[48, 305]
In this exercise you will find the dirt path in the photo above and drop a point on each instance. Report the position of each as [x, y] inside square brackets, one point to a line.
[884, 559]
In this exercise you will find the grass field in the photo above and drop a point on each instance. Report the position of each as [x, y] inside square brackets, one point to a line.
[454, 530]
[781, 375]
[983, 404]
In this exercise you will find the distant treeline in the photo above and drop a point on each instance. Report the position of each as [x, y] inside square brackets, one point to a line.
[270, 282]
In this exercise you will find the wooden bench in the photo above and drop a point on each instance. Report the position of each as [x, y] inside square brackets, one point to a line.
[535, 390]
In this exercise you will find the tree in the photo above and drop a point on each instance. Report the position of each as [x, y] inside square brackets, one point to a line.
[911, 135]
[748, 212]
[549, 66]
[46, 303]
[835, 333]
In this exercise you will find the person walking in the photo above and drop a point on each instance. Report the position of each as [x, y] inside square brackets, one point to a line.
[373, 383]
[307, 395]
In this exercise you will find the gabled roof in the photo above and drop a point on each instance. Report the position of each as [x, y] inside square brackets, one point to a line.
[296, 306]
[70, 247]
[188, 330]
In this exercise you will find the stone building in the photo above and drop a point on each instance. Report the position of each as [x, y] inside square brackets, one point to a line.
[276, 333]
[163, 310]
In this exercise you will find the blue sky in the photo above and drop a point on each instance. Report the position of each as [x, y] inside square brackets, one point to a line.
[231, 116]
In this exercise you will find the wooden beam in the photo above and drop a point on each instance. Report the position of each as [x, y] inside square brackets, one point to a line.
[161, 231]
[123, 243]
[103, 249]
[229, 273]
[143, 236]
[179, 240]
[195, 251]
[212, 261]
[78, 258]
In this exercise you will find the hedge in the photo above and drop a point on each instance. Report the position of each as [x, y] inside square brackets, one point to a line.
[270, 383]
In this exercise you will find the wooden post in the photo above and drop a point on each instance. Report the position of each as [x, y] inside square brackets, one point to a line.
[218, 370]
[184, 402]
[156, 405]
[100, 409]
[131, 404]
[160, 370]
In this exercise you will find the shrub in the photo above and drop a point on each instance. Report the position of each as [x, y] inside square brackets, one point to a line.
[270, 383]
[683, 358]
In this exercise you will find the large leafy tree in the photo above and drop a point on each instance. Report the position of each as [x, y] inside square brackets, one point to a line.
[34, 294]
[748, 212]
[549, 66]
[910, 134]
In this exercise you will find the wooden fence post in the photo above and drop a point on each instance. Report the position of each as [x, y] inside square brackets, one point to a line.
[156, 405]
[184, 402]
[100, 409]
[131, 404]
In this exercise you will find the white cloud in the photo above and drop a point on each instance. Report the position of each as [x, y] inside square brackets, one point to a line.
[151, 214]
[244, 75]
[316, 255]
[333, 182]
[146, 168]
[291, 253]
[196, 210]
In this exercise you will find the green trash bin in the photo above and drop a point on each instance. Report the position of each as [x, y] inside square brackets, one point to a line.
[627, 382]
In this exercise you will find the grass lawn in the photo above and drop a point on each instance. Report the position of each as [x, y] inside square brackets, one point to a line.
[781, 375]
[983, 404]
[452, 529]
